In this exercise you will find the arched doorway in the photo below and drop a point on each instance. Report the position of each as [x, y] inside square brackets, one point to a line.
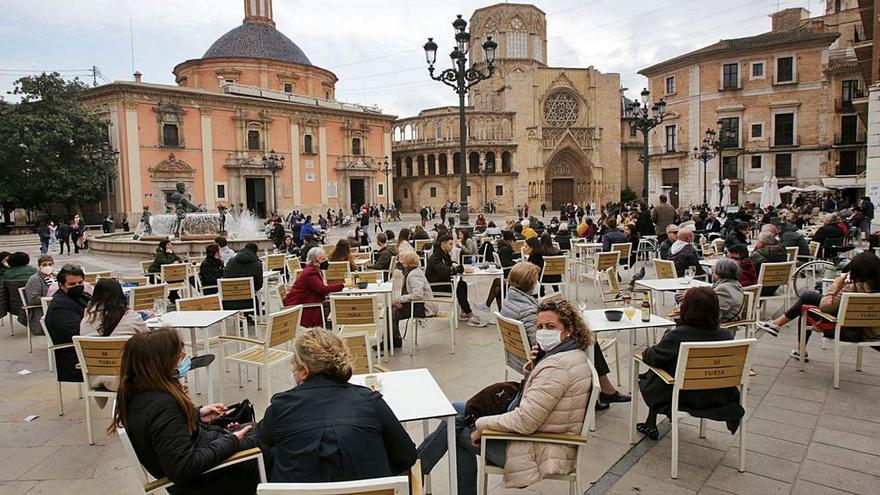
[567, 178]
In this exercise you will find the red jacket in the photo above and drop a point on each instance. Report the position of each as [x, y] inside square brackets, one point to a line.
[748, 272]
[309, 287]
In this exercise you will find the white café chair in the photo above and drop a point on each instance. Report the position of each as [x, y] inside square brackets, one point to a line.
[356, 314]
[393, 485]
[98, 356]
[59, 400]
[27, 308]
[700, 366]
[773, 275]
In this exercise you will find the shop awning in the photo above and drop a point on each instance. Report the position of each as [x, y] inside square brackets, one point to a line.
[854, 182]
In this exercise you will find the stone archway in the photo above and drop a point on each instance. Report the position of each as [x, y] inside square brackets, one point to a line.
[567, 178]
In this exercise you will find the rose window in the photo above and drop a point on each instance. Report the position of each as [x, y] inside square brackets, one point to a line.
[561, 110]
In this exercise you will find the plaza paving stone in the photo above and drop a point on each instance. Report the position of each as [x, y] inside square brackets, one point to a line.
[804, 437]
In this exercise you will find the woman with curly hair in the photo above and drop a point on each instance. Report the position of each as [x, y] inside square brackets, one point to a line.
[342, 252]
[552, 400]
[327, 429]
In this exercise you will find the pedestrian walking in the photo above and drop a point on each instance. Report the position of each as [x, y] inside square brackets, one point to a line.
[63, 233]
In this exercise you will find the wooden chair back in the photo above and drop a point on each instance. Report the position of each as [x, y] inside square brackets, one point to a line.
[99, 356]
[755, 291]
[200, 303]
[236, 289]
[353, 310]
[624, 248]
[293, 264]
[283, 325]
[421, 244]
[92, 277]
[718, 244]
[609, 276]
[394, 485]
[337, 271]
[369, 276]
[362, 256]
[707, 248]
[813, 249]
[361, 355]
[776, 274]
[275, 262]
[139, 281]
[145, 266]
[792, 253]
[514, 337]
[142, 297]
[554, 265]
[174, 273]
[294, 274]
[44, 302]
[859, 310]
[604, 260]
[328, 249]
[713, 365]
[664, 268]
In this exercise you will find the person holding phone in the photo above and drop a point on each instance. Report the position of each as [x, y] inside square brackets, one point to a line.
[171, 436]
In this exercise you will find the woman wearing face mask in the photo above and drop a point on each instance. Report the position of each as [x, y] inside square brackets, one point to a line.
[211, 270]
[553, 400]
[170, 435]
[309, 287]
[63, 318]
[326, 429]
[37, 287]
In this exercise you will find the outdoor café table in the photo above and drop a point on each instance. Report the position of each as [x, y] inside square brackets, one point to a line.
[385, 289]
[490, 272]
[413, 395]
[669, 285]
[597, 323]
[193, 320]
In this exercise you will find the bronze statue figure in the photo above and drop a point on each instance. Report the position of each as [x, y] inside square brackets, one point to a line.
[145, 219]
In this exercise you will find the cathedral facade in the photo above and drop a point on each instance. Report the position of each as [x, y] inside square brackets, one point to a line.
[535, 134]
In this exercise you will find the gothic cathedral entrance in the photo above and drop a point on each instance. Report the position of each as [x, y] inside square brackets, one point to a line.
[567, 178]
[562, 191]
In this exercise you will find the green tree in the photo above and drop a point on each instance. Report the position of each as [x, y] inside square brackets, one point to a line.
[627, 195]
[53, 150]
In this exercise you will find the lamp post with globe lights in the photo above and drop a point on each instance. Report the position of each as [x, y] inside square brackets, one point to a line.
[704, 153]
[386, 169]
[273, 163]
[644, 117]
[461, 78]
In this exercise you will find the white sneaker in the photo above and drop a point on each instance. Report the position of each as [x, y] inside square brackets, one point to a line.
[475, 321]
[769, 327]
[794, 354]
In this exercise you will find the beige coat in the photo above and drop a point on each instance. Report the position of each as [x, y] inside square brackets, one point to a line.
[130, 324]
[554, 401]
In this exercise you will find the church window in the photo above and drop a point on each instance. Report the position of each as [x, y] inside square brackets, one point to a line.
[517, 40]
[356, 146]
[499, 190]
[170, 135]
[561, 109]
[288, 87]
[253, 140]
[307, 144]
[537, 49]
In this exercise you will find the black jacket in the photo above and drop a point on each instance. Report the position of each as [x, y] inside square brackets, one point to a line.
[790, 237]
[162, 258]
[685, 258]
[164, 445]
[305, 250]
[245, 263]
[506, 255]
[63, 317]
[613, 236]
[564, 241]
[439, 269]
[827, 231]
[768, 254]
[734, 238]
[712, 225]
[210, 271]
[63, 231]
[644, 225]
[719, 405]
[278, 235]
[324, 431]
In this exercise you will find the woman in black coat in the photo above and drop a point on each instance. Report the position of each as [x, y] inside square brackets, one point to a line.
[171, 436]
[698, 322]
[211, 269]
[327, 429]
[63, 316]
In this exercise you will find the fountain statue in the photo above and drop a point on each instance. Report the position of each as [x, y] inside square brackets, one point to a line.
[222, 210]
[184, 205]
[145, 220]
[169, 208]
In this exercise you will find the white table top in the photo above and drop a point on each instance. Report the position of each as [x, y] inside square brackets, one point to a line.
[480, 272]
[587, 245]
[710, 262]
[270, 273]
[597, 322]
[190, 319]
[411, 394]
[377, 288]
[671, 284]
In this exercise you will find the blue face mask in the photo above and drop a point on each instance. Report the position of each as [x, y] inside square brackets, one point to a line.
[183, 367]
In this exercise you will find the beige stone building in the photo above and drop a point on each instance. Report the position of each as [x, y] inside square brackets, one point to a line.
[542, 134]
[785, 95]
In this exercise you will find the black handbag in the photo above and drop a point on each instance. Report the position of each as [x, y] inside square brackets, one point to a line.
[241, 413]
[492, 400]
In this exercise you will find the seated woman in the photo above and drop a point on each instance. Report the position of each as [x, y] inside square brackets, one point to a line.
[521, 305]
[547, 246]
[170, 435]
[730, 292]
[506, 257]
[164, 256]
[403, 243]
[327, 429]
[342, 252]
[211, 270]
[289, 247]
[108, 315]
[467, 247]
[632, 236]
[698, 322]
[480, 224]
[563, 237]
[309, 287]
[415, 287]
[552, 400]
[863, 276]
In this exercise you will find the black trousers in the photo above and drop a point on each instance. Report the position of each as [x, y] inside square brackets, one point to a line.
[62, 242]
[403, 314]
[461, 295]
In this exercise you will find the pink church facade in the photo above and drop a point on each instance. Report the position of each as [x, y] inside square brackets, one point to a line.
[253, 92]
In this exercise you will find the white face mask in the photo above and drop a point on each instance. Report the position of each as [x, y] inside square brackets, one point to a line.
[548, 339]
[47, 270]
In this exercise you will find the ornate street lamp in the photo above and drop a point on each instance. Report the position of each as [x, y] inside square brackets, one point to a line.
[644, 117]
[273, 163]
[461, 78]
[386, 169]
[704, 153]
[719, 140]
[106, 153]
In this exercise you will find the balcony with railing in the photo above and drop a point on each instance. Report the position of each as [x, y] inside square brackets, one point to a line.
[845, 103]
[850, 169]
[850, 139]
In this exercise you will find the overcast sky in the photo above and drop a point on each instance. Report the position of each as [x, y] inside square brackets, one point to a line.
[374, 47]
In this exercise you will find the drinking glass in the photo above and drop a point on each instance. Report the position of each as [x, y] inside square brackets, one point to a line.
[689, 273]
[159, 307]
[630, 312]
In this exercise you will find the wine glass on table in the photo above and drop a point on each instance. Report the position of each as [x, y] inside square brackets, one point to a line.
[689, 274]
